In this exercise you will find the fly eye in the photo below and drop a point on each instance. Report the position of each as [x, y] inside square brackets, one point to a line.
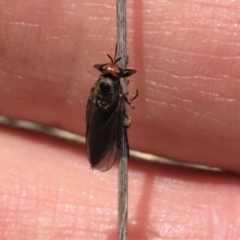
[102, 67]
[119, 72]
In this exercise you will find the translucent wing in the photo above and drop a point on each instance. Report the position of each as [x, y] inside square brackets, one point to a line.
[104, 129]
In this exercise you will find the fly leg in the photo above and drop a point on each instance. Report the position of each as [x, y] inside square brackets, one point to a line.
[129, 101]
[128, 120]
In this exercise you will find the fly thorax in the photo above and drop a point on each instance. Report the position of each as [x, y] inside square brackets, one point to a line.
[107, 92]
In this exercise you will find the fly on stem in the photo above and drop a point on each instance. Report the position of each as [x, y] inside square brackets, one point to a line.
[107, 116]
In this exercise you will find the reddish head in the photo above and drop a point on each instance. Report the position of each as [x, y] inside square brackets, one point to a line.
[113, 69]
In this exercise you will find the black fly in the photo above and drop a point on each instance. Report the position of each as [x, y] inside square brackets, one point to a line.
[106, 114]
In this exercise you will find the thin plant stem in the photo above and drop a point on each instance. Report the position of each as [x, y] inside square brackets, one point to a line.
[123, 163]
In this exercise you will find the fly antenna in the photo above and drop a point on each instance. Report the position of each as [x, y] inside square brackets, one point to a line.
[110, 58]
[117, 60]
[115, 54]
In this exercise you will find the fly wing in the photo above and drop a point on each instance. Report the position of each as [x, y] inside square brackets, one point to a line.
[103, 135]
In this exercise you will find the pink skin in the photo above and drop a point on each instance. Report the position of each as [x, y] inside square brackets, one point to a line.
[187, 58]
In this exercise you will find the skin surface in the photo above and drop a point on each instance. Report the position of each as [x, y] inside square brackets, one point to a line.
[187, 58]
